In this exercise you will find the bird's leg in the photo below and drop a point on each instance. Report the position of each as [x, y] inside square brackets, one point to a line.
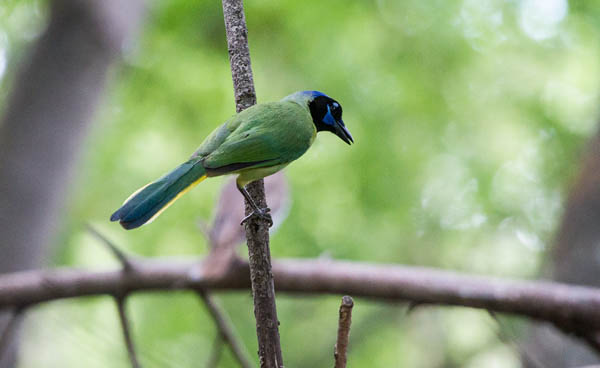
[260, 212]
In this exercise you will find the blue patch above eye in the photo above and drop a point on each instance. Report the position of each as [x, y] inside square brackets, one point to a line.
[328, 118]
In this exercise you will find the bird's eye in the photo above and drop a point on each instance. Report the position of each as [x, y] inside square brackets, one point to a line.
[335, 110]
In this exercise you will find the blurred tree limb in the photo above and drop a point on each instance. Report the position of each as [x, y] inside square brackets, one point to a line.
[226, 331]
[573, 309]
[224, 326]
[574, 260]
[257, 229]
[45, 121]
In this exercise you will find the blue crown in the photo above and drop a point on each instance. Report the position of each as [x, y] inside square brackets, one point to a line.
[314, 94]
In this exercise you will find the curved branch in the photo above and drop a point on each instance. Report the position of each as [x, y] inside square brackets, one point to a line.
[572, 308]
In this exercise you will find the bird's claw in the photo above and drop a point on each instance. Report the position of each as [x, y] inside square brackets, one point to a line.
[262, 213]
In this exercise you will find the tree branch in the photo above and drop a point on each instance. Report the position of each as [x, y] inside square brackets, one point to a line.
[126, 261]
[216, 351]
[574, 260]
[125, 326]
[226, 331]
[11, 327]
[343, 335]
[503, 335]
[575, 309]
[257, 229]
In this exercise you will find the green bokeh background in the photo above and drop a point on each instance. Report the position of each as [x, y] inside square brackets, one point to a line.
[469, 119]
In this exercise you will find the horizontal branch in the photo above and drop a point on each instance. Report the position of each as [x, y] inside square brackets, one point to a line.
[572, 308]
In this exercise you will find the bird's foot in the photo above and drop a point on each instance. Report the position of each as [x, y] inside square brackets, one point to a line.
[262, 213]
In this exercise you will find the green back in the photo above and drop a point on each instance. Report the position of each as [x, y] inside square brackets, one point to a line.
[263, 135]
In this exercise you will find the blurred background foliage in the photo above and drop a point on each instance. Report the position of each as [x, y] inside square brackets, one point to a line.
[469, 118]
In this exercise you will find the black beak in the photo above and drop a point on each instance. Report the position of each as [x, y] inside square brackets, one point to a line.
[342, 132]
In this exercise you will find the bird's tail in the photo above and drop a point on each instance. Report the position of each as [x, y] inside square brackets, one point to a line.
[144, 205]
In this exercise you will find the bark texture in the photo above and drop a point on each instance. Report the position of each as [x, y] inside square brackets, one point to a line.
[257, 230]
[340, 351]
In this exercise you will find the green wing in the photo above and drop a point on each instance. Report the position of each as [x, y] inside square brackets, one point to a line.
[261, 136]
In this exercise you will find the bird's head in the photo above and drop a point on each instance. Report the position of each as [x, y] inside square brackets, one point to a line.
[326, 113]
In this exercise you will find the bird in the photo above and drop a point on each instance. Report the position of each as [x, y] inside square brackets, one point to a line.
[253, 144]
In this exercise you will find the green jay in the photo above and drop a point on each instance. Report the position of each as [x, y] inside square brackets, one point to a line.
[253, 144]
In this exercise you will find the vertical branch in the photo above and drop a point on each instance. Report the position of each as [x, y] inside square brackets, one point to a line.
[257, 230]
[239, 54]
[343, 335]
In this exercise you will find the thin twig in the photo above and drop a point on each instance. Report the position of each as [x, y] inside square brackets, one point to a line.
[226, 329]
[216, 352]
[412, 306]
[9, 330]
[340, 350]
[125, 326]
[124, 259]
[504, 336]
[257, 229]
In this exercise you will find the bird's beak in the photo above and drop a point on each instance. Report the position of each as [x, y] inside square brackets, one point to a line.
[342, 132]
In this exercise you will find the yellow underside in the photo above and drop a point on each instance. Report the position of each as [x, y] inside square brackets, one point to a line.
[249, 175]
[175, 198]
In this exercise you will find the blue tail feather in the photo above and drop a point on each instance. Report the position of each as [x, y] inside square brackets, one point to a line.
[151, 200]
